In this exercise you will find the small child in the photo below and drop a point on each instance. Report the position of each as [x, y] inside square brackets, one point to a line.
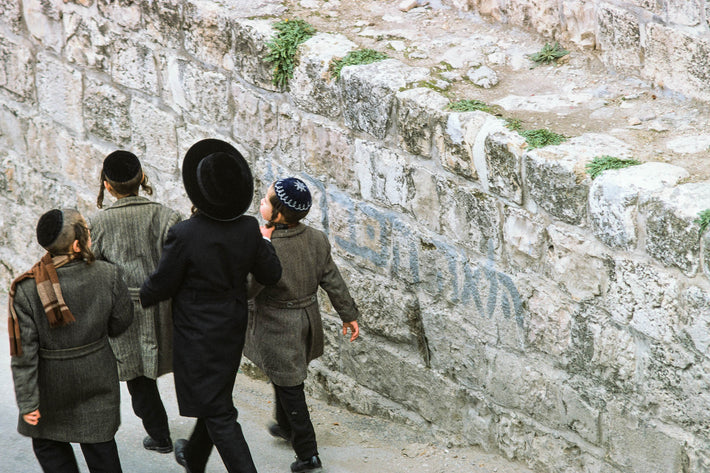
[285, 330]
[65, 375]
[131, 233]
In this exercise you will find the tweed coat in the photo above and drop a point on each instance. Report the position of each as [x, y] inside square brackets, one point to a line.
[204, 269]
[69, 372]
[285, 329]
[131, 234]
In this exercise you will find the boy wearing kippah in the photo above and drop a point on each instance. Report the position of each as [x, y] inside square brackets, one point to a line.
[285, 329]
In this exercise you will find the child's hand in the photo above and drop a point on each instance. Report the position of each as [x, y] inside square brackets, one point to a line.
[32, 418]
[266, 231]
[354, 329]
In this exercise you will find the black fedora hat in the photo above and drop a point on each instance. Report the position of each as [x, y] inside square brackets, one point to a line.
[217, 179]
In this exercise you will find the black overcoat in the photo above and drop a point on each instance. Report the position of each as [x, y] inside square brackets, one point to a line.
[204, 268]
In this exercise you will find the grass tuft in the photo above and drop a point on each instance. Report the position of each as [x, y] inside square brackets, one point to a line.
[541, 137]
[283, 47]
[469, 106]
[601, 163]
[354, 58]
[550, 53]
[703, 220]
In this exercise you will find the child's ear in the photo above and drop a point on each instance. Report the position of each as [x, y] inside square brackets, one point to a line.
[107, 186]
[76, 247]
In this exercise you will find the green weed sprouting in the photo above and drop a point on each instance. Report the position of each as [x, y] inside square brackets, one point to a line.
[514, 124]
[703, 220]
[354, 58]
[283, 47]
[541, 137]
[601, 163]
[469, 106]
[548, 54]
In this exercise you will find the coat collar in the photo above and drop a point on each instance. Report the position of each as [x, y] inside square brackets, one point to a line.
[132, 200]
[289, 232]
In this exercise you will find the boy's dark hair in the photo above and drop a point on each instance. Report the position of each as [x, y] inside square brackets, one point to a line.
[124, 188]
[290, 216]
[73, 228]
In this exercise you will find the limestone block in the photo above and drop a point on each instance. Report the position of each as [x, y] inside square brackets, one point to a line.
[524, 233]
[416, 109]
[203, 95]
[541, 15]
[549, 320]
[250, 38]
[579, 415]
[479, 423]
[382, 174]
[59, 92]
[619, 37]
[504, 151]
[580, 23]
[106, 112]
[614, 197]
[154, 135]
[328, 151]
[162, 22]
[672, 235]
[17, 70]
[288, 135]
[207, 30]
[468, 216]
[369, 90]
[455, 136]
[125, 14]
[686, 12]
[13, 130]
[133, 65]
[44, 22]
[645, 297]
[11, 15]
[255, 120]
[426, 201]
[638, 445]
[690, 69]
[312, 87]
[696, 326]
[88, 39]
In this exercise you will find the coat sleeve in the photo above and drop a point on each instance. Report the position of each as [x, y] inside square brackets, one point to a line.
[166, 279]
[122, 311]
[334, 284]
[24, 367]
[267, 267]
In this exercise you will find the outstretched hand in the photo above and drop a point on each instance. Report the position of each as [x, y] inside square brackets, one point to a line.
[354, 329]
[266, 231]
[32, 418]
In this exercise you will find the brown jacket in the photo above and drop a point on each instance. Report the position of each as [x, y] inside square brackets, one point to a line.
[285, 330]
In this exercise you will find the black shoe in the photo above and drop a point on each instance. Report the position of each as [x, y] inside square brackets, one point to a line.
[279, 432]
[312, 464]
[160, 446]
[180, 447]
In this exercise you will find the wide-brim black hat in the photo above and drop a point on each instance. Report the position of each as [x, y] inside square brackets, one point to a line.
[217, 179]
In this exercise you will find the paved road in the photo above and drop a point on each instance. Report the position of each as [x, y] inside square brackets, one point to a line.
[348, 442]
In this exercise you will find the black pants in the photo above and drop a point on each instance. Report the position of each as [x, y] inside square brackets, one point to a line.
[58, 457]
[292, 415]
[225, 433]
[147, 405]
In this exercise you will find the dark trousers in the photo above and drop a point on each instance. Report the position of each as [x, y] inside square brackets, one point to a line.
[58, 457]
[225, 433]
[292, 416]
[147, 405]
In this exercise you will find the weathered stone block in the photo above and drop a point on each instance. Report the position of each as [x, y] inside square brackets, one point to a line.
[163, 21]
[525, 234]
[201, 94]
[250, 38]
[619, 37]
[580, 23]
[382, 174]
[686, 12]
[134, 66]
[153, 135]
[425, 200]
[416, 109]
[88, 39]
[254, 118]
[504, 151]
[614, 197]
[469, 216]
[11, 15]
[288, 135]
[369, 90]
[696, 327]
[17, 69]
[126, 14]
[44, 22]
[59, 92]
[207, 30]
[106, 112]
[328, 151]
[672, 236]
[312, 87]
[540, 15]
[548, 320]
[690, 69]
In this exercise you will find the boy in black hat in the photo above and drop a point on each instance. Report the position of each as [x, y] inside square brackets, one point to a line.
[285, 330]
[62, 312]
[131, 234]
[204, 269]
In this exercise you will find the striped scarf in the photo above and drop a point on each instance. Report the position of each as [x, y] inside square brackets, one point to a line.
[50, 294]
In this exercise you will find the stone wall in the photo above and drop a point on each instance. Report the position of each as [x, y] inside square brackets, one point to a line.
[508, 301]
[666, 41]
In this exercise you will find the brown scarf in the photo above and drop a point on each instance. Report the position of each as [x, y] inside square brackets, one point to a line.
[50, 294]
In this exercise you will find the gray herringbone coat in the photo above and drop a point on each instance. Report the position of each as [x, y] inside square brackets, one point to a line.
[69, 373]
[131, 234]
[285, 330]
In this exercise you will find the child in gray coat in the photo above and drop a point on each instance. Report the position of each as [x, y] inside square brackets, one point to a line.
[285, 330]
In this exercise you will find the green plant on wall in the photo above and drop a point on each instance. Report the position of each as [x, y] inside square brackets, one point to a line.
[469, 106]
[283, 47]
[601, 163]
[354, 58]
[550, 53]
[541, 137]
[703, 220]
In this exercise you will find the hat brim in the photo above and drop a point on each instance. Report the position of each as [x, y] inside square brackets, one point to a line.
[244, 188]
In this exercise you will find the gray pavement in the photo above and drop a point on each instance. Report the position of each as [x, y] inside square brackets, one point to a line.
[348, 442]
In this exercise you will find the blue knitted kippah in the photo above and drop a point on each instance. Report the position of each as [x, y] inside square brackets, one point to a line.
[293, 193]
